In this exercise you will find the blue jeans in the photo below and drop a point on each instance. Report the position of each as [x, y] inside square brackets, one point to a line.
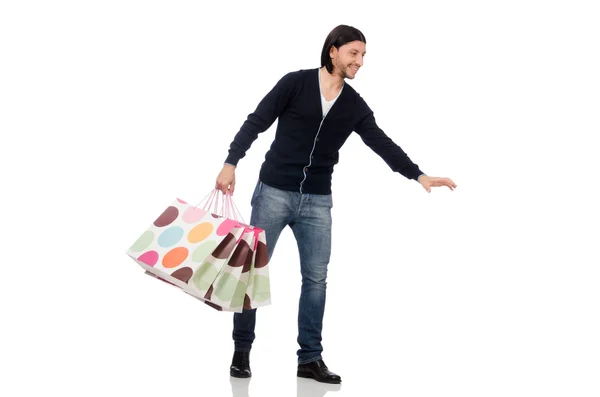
[309, 217]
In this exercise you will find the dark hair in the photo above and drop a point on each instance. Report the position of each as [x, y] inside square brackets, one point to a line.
[340, 35]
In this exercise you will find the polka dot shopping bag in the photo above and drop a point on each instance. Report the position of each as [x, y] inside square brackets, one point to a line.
[209, 253]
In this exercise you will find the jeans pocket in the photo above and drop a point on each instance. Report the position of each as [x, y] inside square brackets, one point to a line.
[327, 201]
[256, 194]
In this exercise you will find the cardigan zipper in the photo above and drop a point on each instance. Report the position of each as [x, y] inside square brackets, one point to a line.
[317, 136]
[311, 154]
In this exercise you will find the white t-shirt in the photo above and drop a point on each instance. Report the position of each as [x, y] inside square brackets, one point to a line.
[326, 105]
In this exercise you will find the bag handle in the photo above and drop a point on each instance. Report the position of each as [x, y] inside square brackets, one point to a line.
[227, 208]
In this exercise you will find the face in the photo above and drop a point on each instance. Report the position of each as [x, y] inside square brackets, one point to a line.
[348, 59]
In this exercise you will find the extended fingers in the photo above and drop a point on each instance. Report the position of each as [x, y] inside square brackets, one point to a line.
[443, 182]
[450, 183]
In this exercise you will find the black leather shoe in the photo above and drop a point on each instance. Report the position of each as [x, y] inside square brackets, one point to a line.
[240, 365]
[318, 371]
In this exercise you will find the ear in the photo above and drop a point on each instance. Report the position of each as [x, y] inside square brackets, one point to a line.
[332, 51]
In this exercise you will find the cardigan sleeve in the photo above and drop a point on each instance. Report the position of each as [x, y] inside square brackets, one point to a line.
[265, 114]
[374, 137]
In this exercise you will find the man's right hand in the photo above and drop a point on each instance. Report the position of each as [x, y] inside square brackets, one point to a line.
[226, 179]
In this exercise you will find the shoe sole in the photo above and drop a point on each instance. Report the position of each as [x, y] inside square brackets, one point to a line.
[302, 374]
[239, 376]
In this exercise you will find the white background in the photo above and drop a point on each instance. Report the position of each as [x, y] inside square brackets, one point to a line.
[109, 110]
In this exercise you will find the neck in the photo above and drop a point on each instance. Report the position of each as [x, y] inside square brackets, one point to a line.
[331, 81]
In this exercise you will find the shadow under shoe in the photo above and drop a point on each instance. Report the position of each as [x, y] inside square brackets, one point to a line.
[240, 365]
[318, 371]
[310, 388]
[239, 387]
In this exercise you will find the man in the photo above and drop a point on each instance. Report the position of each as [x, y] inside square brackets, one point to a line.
[317, 112]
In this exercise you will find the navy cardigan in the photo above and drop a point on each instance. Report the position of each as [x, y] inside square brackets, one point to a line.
[307, 144]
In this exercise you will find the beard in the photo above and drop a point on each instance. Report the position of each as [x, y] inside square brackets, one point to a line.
[344, 70]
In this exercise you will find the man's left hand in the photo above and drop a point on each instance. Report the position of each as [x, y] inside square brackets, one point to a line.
[433, 181]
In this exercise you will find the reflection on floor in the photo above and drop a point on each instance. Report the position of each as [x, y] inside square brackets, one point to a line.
[304, 387]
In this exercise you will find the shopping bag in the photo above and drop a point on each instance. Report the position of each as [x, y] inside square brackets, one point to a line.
[186, 242]
[252, 287]
[258, 292]
[228, 289]
[212, 255]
